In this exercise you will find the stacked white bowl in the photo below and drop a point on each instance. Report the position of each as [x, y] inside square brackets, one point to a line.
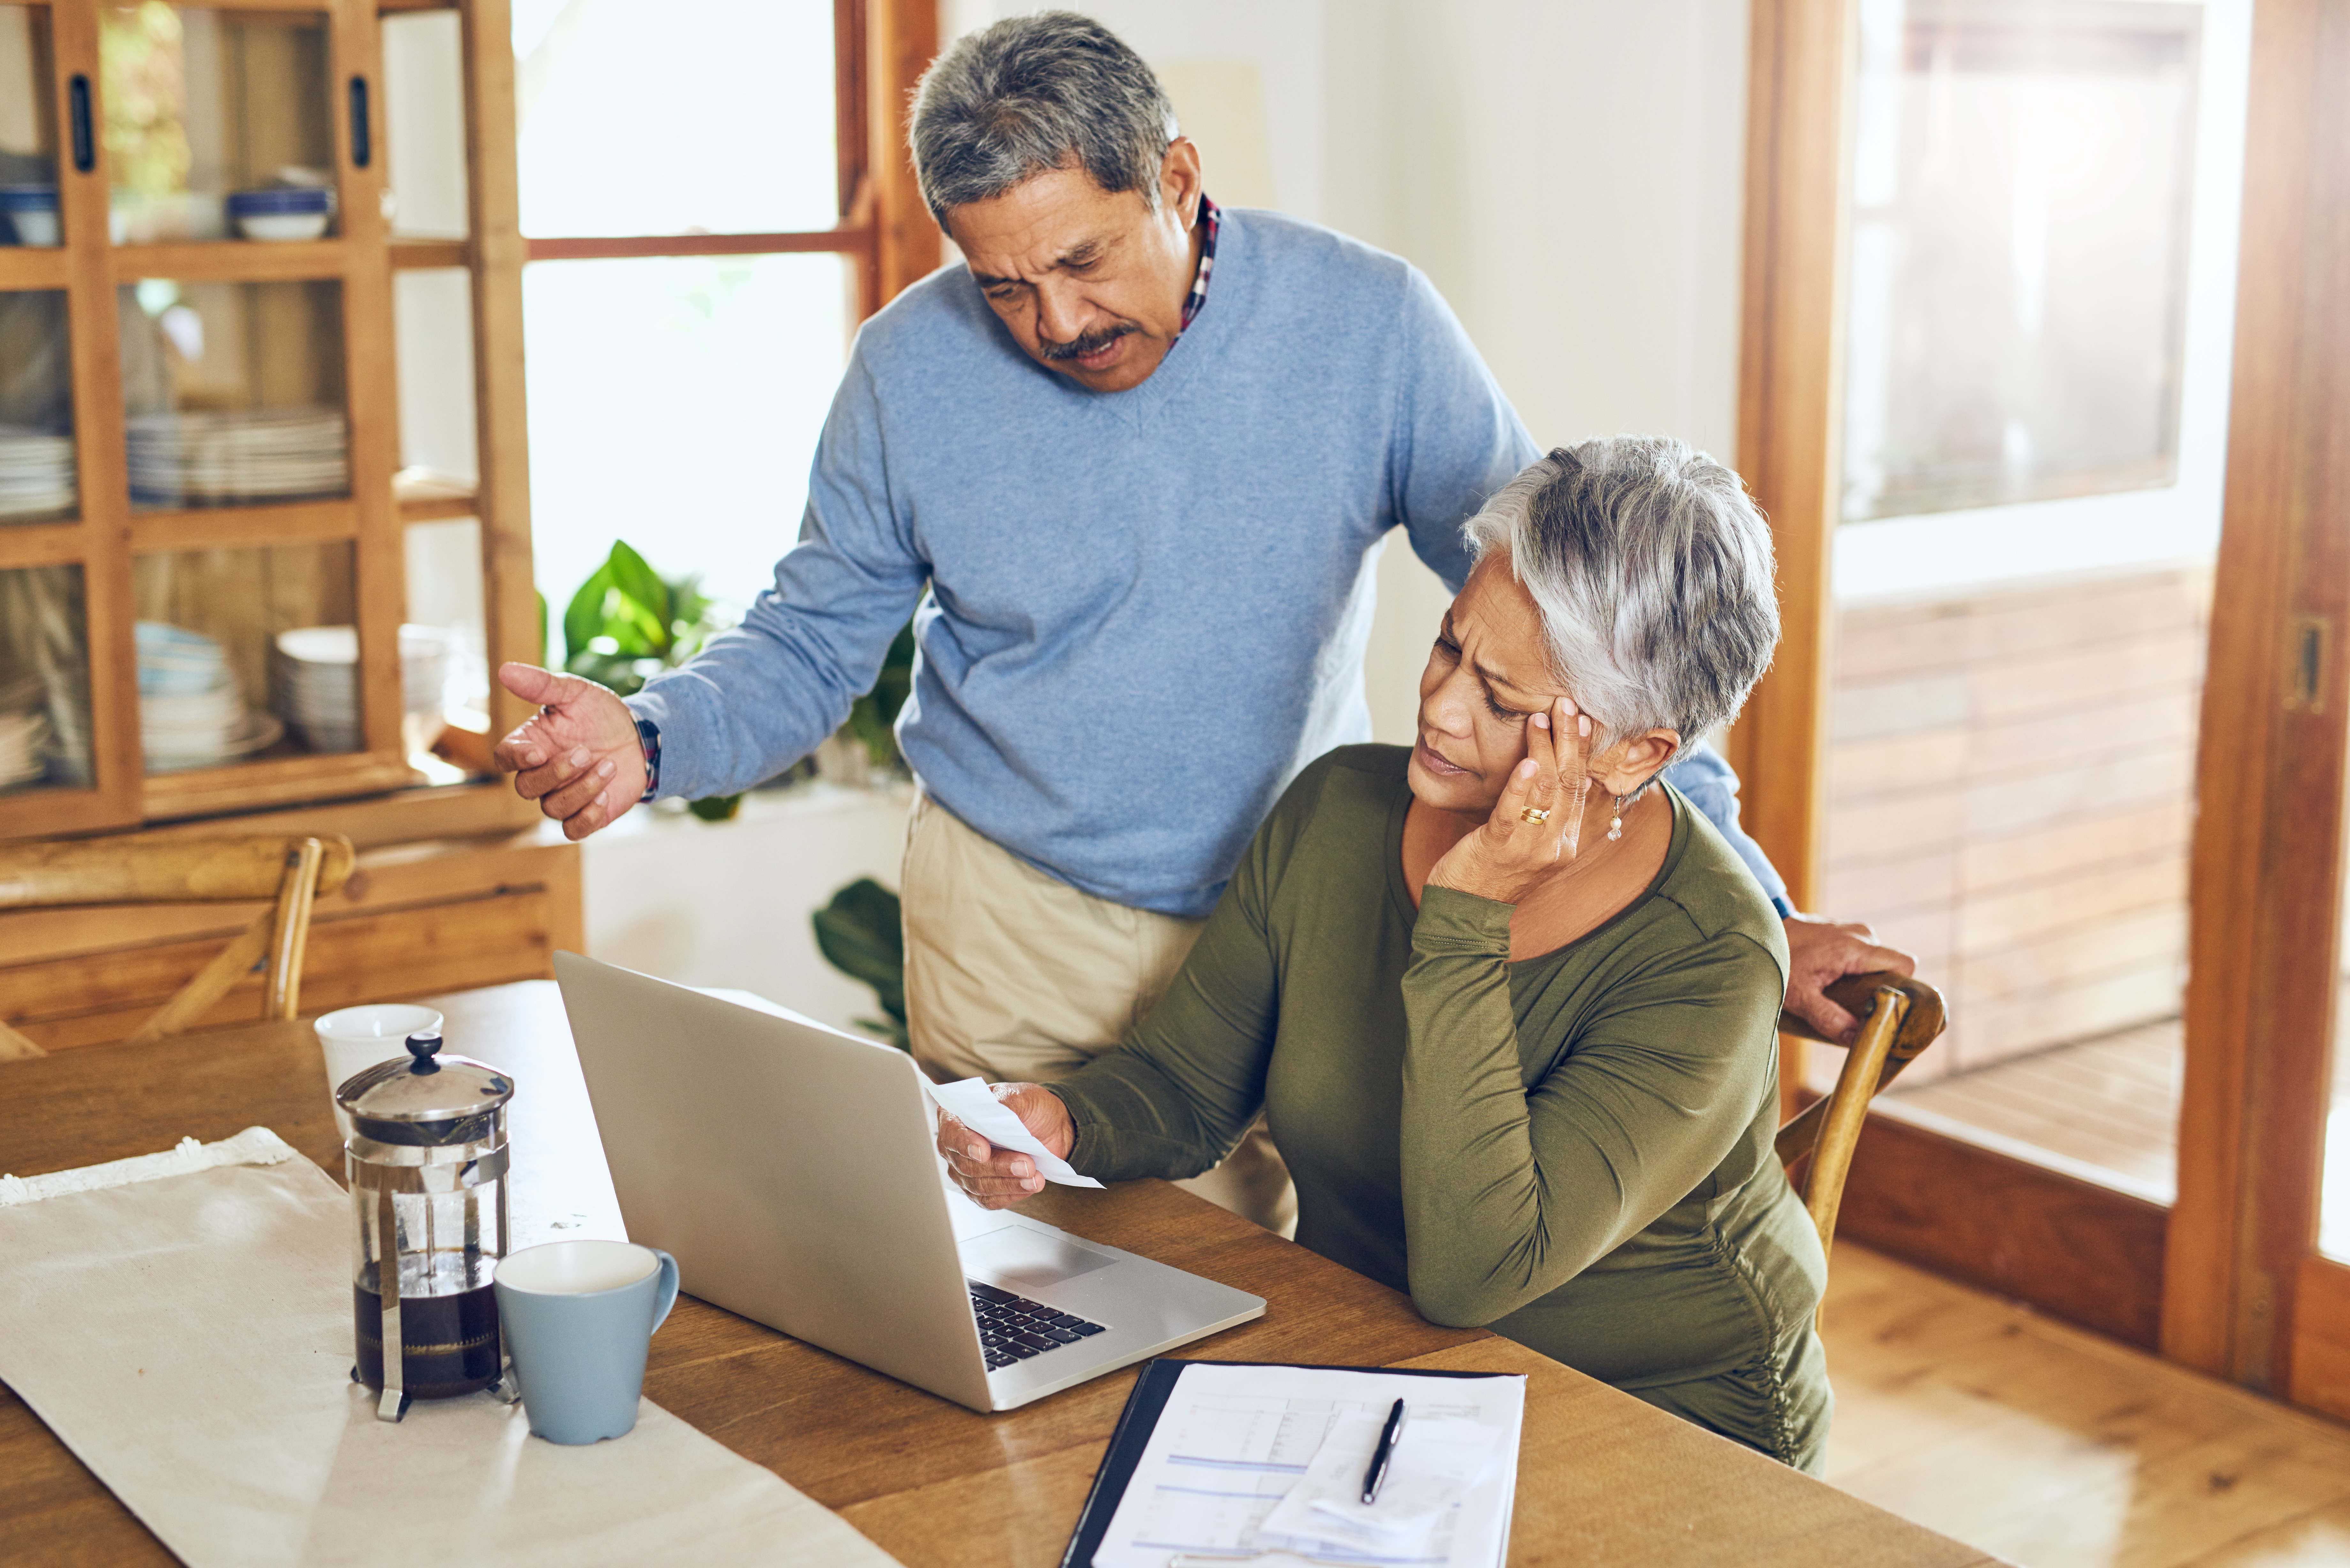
[319, 680]
[37, 472]
[24, 731]
[190, 712]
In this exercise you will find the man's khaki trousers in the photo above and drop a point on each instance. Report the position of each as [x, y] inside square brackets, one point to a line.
[1016, 977]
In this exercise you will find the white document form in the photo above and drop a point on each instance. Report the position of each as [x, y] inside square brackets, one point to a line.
[971, 1102]
[1233, 1441]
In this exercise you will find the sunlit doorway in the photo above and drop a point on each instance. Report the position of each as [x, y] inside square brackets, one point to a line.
[2040, 292]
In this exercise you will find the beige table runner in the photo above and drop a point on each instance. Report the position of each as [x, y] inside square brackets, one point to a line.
[189, 1336]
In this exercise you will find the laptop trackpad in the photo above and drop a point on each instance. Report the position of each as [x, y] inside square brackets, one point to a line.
[1019, 1258]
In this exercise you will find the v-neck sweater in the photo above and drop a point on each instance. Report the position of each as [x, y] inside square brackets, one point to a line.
[1146, 610]
[1573, 1149]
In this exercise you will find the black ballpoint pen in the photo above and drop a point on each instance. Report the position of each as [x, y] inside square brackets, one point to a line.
[1382, 1454]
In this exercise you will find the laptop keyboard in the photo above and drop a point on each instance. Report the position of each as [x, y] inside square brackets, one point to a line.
[1014, 1328]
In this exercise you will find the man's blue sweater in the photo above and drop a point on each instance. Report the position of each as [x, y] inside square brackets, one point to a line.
[1146, 609]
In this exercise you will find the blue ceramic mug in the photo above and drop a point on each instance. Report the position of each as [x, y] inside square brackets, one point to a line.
[578, 1317]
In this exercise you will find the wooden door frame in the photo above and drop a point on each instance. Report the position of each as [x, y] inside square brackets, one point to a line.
[1789, 401]
[1800, 65]
[2264, 936]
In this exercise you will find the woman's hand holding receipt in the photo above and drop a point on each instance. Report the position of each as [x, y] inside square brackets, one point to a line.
[996, 1177]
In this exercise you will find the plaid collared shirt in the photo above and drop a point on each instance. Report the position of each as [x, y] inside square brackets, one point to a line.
[1211, 215]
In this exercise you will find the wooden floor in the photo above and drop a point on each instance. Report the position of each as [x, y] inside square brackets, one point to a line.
[2111, 1103]
[2109, 1108]
[2054, 1448]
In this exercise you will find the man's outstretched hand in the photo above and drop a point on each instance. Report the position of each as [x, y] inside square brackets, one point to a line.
[580, 758]
[1821, 952]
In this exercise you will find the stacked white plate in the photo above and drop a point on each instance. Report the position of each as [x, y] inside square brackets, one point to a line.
[260, 454]
[319, 680]
[37, 472]
[191, 713]
[24, 731]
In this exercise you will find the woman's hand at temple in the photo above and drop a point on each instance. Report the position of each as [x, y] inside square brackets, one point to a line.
[1512, 854]
[999, 1177]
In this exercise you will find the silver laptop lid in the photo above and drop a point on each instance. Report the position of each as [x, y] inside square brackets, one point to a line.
[789, 1167]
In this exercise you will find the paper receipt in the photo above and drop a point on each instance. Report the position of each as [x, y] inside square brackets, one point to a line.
[971, 1103]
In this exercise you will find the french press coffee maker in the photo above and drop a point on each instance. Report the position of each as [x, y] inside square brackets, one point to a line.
[427, 1166]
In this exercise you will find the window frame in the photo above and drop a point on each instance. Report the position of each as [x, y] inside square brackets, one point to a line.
[880, 47]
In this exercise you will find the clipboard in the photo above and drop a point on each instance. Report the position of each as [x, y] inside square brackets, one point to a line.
[1144, 1406]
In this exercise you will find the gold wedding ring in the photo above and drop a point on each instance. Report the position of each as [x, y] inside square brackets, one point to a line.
[1534, 816]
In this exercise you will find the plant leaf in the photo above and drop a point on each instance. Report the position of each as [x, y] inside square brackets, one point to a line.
[640, 583]
[634, 627]
[859, 934]
[583, 621]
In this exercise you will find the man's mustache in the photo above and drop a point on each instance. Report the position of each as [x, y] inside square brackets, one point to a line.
[1085, 343]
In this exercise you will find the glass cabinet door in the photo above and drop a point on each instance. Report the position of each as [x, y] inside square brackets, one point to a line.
[218, 124]
[253, 320]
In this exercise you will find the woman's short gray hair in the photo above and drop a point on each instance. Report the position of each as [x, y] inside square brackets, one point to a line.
[1653, 572]
[1032, 93]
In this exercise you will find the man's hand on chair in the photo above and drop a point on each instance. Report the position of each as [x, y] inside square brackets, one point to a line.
[580, 756]
[1819, 953]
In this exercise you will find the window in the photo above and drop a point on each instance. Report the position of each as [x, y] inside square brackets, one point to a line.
[2022, 200]
[702, 241]
[2043, 208]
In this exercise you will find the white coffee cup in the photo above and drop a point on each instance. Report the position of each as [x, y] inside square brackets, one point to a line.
[356, 1038]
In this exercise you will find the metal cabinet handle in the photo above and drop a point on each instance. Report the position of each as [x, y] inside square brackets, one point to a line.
[363, 143]
[84, 143]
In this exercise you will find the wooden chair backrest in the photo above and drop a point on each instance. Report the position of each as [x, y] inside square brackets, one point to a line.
[140, 869]
[1901, 1016]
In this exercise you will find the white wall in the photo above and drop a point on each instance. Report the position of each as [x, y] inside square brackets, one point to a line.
[727, 904]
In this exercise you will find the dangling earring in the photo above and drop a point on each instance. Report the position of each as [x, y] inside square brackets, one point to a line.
[1615, 820]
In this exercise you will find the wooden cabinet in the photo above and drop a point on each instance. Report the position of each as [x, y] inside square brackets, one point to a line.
[207, 619]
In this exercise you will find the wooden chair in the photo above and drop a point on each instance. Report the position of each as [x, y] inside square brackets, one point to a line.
[1901, 1016]
[291, 872]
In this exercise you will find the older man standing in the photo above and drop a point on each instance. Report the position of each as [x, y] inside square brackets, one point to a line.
[1140, 453]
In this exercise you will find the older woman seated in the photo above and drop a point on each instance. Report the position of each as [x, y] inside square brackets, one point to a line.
[1508, 1001]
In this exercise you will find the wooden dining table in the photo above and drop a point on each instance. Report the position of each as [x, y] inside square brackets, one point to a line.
[1602, 1477]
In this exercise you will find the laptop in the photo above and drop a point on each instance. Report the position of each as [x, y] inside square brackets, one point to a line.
[791, 1168]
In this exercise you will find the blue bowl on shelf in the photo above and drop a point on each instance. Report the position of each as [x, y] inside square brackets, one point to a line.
[281, 199]
[281, 212]
[30, 212]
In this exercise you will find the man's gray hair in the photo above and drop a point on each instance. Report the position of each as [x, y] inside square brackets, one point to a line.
[1653, 572]
[1032, 93]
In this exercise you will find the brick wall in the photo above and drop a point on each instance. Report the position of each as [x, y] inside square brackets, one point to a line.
[2009, 785]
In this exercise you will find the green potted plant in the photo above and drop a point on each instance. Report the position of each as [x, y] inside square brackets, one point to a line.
[628, 623]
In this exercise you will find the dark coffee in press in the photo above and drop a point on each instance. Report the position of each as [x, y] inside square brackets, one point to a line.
[450, 1342]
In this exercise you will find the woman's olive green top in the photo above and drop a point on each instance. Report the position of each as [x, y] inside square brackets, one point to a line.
[1574, 1150]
